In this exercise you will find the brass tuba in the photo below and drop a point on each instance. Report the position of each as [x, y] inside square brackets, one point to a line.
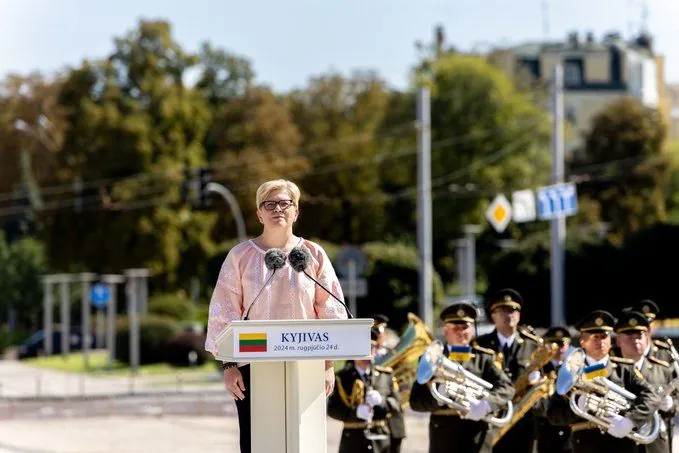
[461, 386]
[603, 399]
[403, 358]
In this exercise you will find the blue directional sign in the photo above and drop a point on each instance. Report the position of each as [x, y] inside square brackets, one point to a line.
[100, 295]
[556, 201]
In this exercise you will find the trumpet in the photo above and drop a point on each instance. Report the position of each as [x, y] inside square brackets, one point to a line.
[461, 386]
[604, 399]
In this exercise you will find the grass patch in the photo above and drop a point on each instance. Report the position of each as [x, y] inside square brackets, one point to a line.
[98, 365]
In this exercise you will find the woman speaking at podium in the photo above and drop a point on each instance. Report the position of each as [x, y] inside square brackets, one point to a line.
[257, 282]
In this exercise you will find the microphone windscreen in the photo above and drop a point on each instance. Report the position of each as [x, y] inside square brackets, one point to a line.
[299, 258]
[274, 259]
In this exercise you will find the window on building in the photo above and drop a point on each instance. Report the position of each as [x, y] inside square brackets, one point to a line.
[572, 74]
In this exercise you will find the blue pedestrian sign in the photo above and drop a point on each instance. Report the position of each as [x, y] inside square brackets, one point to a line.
[100, 295]
[557, 201]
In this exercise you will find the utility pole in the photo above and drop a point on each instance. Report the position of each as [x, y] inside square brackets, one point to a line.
[470, 232]
[64, 281]
[134, 280]
[112, 281]
[461, 263]
[86, 309]
[48, 312]
[424, 233]
[558, 224]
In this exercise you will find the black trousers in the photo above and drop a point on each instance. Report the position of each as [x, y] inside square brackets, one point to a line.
[243, 408]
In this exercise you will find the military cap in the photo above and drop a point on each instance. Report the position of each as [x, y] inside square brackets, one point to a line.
[596, 322]
[458, 313]
[506, 297]
[632, 321]
[649, 309]
[557, 334]
[381, 321]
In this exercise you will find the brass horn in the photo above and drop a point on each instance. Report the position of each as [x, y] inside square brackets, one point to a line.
[603, 398]
[403, 358]
[461, 386]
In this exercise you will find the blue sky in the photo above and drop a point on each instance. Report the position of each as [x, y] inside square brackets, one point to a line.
[290, 41]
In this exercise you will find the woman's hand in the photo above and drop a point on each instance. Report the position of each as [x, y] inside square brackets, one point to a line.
[329, 378]
[233, 381]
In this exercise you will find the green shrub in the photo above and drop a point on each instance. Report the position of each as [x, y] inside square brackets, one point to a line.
[173, 306]
[180, 346]
[155, 333]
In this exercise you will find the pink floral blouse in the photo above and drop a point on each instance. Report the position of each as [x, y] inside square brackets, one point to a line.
[289, 295]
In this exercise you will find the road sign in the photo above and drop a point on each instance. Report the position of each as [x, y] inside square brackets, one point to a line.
[523, 206]
[499, 213]
[360, 287]
[100, 295]
[347, 254]
[557, 200]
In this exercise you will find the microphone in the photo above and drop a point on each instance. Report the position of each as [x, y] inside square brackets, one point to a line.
[274, 259]
[299, 259]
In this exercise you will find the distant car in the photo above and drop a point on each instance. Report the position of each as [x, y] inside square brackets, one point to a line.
[34, 346]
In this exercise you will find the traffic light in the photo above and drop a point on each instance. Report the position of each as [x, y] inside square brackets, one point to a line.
[204, 197]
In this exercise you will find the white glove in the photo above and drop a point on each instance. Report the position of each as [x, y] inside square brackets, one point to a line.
[478, 410]
[373, 398]
[364, 412]
[666, 404]
[620, 427]
[534, 377]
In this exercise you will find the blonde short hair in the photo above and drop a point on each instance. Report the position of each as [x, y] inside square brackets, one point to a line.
[276, 185]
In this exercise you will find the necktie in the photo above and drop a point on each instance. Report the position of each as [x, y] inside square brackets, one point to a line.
[506, 352]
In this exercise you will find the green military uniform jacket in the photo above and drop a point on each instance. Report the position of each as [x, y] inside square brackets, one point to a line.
[356, 432]
[586, 438]
[447, 431]
[521, 438]
[659, 374]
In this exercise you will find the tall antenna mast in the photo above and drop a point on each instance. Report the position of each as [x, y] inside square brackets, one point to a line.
[644, 16]
[545, 19]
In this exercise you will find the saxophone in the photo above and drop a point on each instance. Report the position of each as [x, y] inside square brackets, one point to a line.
[526, 396]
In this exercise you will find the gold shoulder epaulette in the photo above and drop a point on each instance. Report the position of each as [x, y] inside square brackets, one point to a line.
[525, 332]
[658, 361]
[384, 369]
[661, 344]
[484, 350]
[621, 360]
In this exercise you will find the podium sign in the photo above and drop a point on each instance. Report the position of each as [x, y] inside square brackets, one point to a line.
[299, 339]
[287, 380]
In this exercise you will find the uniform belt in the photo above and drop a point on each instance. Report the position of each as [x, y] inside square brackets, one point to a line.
[365, 425]
[584, 426]
[454, 412]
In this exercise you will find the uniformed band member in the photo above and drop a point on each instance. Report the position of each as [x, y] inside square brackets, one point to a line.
[515, 347]
[656, 347]
[550, 438]
[397, 427]
[365, 397]
[595, 340]
[632, 330]
[448, 431]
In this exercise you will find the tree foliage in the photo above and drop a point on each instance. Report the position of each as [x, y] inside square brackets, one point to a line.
[624, 167]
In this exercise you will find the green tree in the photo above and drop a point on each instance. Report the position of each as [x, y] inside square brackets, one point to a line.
[338, 118]
[623, 167]
[487, 137]
[133, 126]
[22, 264]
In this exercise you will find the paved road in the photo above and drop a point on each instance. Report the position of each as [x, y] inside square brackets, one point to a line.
[172, 434]
[18, 380]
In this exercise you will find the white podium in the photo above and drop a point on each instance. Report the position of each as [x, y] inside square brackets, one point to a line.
[287, 387]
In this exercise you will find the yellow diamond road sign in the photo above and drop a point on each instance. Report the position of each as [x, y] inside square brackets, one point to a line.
[499, 213]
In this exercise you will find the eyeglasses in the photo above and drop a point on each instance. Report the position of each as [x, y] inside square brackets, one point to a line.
[271, 205]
